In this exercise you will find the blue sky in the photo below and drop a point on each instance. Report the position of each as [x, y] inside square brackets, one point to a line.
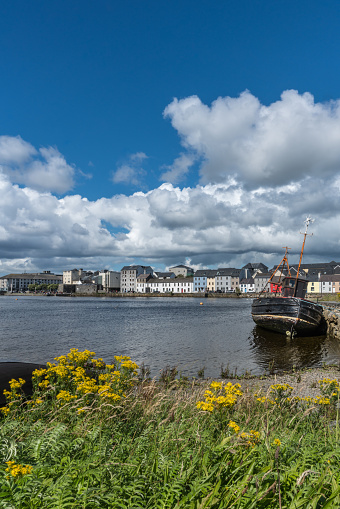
[167, 132]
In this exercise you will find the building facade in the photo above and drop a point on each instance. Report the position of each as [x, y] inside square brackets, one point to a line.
[129, 274]
[20, 282]
[109, 280]
[182, 270]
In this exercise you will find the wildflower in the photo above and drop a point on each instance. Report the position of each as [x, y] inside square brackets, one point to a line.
[250, 439]
[277, 442]
[235, 427]
[17, 470]
[216, 385]
[16, 384]
[320, 400]
[220, 397]
[65, 396]
[205, 406]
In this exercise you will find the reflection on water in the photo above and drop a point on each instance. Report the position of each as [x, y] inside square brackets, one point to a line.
[158, 332]
[272, 349]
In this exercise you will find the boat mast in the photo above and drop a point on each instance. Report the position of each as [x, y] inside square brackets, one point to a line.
[307, 221]
[283, 262]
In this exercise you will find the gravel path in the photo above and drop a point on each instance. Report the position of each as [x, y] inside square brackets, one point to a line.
[304, 383]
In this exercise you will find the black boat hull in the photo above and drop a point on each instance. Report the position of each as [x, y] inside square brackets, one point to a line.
[287, 315]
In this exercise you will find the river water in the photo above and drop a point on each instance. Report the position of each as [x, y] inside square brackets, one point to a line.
[158, 332]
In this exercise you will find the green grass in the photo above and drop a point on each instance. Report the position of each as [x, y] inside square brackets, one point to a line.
[155, 449]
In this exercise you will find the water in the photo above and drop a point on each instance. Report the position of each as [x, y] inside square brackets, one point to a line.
[158, 332]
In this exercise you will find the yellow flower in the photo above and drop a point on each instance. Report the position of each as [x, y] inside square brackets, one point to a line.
[17, 470]
[65, 396]
[16, 384]
[216, 385]
[44, 384]
[37, 373]
[277, 442]
[250, 439]
[235, 427]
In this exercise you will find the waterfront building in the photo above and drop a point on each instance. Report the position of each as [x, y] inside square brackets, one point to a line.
[173, 285]
[251, 269]
[129, 274]
[247, 285]
[330, 283]
[227, 279]
[201, 279]
[21, 282]
[109, 280]
[73, 276]
[211, 283]
[314, 285]
[165, 275]
[182, 270]
[261, 279]
[141, 283]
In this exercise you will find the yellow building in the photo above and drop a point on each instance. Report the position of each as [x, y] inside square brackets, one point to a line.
[211, 284]
[313, 287]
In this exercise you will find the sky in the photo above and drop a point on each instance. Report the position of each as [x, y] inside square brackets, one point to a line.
[168, 132]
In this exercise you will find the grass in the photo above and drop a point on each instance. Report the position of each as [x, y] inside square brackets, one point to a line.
[154, 448]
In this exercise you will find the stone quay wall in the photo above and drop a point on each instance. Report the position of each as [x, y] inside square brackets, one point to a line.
[331, 313]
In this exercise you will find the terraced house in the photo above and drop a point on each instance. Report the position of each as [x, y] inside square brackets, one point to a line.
[149, 284]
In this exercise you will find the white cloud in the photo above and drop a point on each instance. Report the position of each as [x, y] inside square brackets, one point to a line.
[216, 224]
[130, 173]
[14, 150]
[263, 169]
[125, 174]
[178, 170]
[260, 145]
[44, 170]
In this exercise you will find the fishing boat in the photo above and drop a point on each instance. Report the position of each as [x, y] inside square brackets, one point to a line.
[288, 312]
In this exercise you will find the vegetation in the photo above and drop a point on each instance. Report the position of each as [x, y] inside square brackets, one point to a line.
[95, 435]
[43, 287]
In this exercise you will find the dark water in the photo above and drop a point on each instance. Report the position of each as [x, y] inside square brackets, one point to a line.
[158, 332]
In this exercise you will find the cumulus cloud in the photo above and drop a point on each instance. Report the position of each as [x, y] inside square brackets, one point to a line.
[178, 170]
[216, 224]
[131, 172]
[263, 169]
[260, 145]
[14, 150]
[45, 169]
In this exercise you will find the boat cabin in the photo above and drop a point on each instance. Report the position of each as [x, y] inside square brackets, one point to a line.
[294, 287]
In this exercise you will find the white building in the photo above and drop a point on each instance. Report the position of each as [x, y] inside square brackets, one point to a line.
[247, 285]
[168, 285]
[21, 282]
[227, 280]
[70, 276]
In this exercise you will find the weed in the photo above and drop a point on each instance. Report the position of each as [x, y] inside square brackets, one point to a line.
[200, 372]
[202, 445]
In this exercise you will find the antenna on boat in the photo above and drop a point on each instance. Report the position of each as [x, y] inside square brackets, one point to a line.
[308, 220]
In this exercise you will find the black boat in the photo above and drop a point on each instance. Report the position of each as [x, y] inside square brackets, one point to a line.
[288, 313]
